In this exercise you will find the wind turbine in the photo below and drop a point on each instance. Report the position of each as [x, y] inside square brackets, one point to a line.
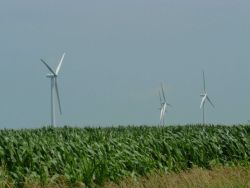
[163, 105]
[54, 88]
[204, 98]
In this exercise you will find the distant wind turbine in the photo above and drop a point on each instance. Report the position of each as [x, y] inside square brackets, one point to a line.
[163, 105]
[204, 98]
[54, 88]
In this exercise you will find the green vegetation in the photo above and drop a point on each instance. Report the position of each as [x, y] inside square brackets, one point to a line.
[94, 156]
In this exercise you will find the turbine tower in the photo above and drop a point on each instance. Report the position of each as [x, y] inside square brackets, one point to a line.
[54, 89]
[204, 98]
[163, 105]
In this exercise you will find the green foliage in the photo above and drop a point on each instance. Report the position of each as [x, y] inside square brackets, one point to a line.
[97, 155]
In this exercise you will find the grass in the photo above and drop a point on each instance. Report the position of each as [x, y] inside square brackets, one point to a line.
[221, 177]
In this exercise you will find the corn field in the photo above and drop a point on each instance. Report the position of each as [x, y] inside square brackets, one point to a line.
[97, 155]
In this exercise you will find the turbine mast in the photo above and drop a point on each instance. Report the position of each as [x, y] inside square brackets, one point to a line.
[53, 122]
[203, 114]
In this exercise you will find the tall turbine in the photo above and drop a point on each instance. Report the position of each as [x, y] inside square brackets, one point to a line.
[163, 105]
[54, 88]
[204, 98]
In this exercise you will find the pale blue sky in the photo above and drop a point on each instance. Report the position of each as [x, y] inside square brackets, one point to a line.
[117, 54]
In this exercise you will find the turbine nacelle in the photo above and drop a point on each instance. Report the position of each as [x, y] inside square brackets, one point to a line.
[203, 95]
[51, 76]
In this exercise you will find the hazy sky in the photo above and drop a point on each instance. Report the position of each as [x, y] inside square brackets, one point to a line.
[117, 54]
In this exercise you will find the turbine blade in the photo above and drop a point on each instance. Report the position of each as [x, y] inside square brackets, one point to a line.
[161, 115]
[58, 98]
[170, 105]
[204, 82]
[163, 94]
[210, 101]
[202, 101]
[60, 64]
[160, 98]
[165, 108]
[50, 69]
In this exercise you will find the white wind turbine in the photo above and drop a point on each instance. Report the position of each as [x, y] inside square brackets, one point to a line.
[54, 88]
[163, 107]
[204, 98]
